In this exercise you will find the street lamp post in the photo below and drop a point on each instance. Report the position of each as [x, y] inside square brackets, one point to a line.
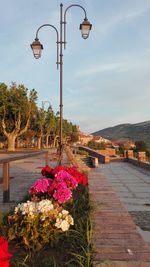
[37, 47]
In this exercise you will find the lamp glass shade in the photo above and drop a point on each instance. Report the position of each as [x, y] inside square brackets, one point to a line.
[37, 48]
[85, 28]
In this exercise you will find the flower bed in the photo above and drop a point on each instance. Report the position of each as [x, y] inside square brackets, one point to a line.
[56, 211]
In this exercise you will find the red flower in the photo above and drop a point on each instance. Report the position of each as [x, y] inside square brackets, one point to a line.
[80, 177]
[58, 169]
[4, 254]
[47, 172]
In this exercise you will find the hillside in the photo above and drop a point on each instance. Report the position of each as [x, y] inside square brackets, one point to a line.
[138, 131]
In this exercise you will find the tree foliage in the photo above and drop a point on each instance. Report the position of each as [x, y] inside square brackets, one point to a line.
[140, 146]
[20, 116]
[95, 145]
[15, 107]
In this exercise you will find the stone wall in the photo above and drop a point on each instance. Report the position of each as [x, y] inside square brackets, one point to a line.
[141, 156]
[139, 161]
[128, 154]
[93, 153]
[141, 164]
[108, 152]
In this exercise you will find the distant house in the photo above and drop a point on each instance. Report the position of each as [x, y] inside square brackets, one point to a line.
[100, 139]
[127, 144]
[84, 138]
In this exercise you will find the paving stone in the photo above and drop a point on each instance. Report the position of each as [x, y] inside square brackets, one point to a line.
[115, 236]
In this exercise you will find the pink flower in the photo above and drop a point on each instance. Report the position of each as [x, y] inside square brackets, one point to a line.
[64, 176]
[4, 254]
[62, 193]
[60, 187]
[41, 185]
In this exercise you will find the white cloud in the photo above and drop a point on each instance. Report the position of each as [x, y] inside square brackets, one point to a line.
[125, 14]
[97, 68]
[137, 12]
[125, 63]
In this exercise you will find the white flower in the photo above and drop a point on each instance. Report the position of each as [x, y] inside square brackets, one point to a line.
[58, 223]
[44, 206]
[63, 219]
[59, 215]
[26, 208]
[65, 212]
[64, 225]
[31, 207]
[70, 220]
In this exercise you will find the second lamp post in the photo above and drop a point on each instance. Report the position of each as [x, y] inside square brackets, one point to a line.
[37, 47]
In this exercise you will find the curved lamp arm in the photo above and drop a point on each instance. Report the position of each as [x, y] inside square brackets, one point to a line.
[85, 19]
[37, 45]
[76, 6]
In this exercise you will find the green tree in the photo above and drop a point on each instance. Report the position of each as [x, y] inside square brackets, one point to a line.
[75, 134]
[49, 125]
[140, 146]
[40, 124]
[121, 149]
[95, 145]
[16, 107]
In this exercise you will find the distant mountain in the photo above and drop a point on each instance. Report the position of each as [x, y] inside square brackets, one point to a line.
[135, 132]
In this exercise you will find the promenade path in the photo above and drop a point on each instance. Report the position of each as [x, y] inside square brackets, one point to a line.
[116, 188]
[23, 173]
[116, 241]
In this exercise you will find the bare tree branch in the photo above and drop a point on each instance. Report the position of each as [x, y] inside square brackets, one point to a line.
[26, 127]
[17, 124]
[4, 128]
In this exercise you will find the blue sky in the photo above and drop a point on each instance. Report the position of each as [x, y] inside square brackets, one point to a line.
[106, 77]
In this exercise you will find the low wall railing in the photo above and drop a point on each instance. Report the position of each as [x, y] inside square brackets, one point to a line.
[93, 153]
[142, 164]
[6, 166]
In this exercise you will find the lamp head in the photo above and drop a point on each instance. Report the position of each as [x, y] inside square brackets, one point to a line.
[85, 28]
[36, 47]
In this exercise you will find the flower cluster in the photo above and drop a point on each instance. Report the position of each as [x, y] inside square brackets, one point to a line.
[64, 220]
[41, 185]
[31, 208]
[60, 188]
[43, 210]
[80, 177]
[73, 171]
[4, 254]
[41, 219]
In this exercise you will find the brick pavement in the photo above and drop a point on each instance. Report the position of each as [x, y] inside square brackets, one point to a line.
[116, 241]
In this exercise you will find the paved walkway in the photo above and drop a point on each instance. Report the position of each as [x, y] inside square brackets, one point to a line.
[132, 185]
[117, 243]
[23, 173]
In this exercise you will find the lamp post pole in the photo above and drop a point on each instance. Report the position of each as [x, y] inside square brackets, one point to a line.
[37, 47]
[61, 83]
